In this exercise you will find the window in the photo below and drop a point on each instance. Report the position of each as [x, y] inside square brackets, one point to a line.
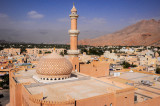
[75, 67]
[111, 104]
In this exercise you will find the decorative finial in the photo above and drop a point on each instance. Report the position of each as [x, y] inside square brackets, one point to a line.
[73, 8]
[54, 49]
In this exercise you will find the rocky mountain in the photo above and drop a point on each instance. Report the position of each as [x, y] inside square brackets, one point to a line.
[145, 32]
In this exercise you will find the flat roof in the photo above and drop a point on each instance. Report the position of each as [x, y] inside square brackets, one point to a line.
[148, 91]
[82, 87]
[78, 89]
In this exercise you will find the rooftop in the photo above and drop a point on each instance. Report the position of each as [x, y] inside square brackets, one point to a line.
[143, 90]
[81, 87]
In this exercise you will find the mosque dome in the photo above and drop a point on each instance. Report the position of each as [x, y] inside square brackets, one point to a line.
[54, 66]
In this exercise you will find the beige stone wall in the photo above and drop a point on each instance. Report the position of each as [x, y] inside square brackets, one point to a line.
[75, 63]
[96, 68]
[124, 97]
[101, 100]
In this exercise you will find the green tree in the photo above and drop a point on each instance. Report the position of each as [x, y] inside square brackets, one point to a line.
[125, 64]
[61, 53]
[158, 70]
[40, 52]
[65, 52]
[48, 52]
[23, 50]
[132, 65]
[5, 80]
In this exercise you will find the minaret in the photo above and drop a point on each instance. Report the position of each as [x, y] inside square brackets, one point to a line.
[73, 32]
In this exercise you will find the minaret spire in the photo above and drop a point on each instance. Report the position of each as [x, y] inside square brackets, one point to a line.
[73, 32]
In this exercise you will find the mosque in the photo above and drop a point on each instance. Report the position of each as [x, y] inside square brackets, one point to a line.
[54, 83]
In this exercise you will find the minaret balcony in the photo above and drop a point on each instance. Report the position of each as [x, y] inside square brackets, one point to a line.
[73, 32]
[73, 16]
[73, 52]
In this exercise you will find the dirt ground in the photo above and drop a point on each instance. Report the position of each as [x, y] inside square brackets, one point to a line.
[5, 100]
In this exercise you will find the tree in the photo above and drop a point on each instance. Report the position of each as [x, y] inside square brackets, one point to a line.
[5, 81]
[48, 52]
[1, 48]
[40, 52]
[158, 70]
[61, 53]
[132, 65]
[125, 64]
[84, 50]
[23, 50]
[65, 52]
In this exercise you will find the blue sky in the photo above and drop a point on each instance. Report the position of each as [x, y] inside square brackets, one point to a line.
[48, 20]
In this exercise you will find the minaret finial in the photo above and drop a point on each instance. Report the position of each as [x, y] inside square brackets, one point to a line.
[73, 3]
[54, 49]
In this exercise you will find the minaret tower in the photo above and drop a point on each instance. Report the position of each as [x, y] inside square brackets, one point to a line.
[73, 32]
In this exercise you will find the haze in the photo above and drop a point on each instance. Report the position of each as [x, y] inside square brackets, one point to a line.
[47, 21]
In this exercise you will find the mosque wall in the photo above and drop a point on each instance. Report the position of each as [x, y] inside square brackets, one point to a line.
[20, 96]
[119, 98]
[102, 100]
[124, 97]
[15, 93]
[75, 63]
[95, 69]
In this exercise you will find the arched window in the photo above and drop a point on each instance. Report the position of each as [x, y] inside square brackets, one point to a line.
[111, 104]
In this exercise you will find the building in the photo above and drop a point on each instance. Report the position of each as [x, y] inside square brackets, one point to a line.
[44, 50]
[11, 51]
[107, 54]
[55, 83]
[73, 52]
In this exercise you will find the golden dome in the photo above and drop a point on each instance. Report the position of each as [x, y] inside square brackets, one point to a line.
[54, 65]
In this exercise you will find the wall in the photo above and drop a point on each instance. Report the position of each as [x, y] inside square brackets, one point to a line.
[150, 102]
[101, 100]
[75, 63]
[20, 96]
[95, 69]
[124, 97]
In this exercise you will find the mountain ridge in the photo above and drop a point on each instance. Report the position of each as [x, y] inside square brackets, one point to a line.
[144, 32]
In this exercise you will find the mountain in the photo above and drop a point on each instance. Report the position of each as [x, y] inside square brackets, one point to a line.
[10, 42]
[145, 32]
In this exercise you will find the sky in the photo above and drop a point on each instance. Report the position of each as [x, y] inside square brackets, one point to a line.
[47, 21]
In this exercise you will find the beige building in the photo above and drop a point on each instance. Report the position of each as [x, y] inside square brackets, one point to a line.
[44, 50]
[11, 51]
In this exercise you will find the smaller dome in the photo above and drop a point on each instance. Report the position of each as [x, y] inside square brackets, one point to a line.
[54, 66]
